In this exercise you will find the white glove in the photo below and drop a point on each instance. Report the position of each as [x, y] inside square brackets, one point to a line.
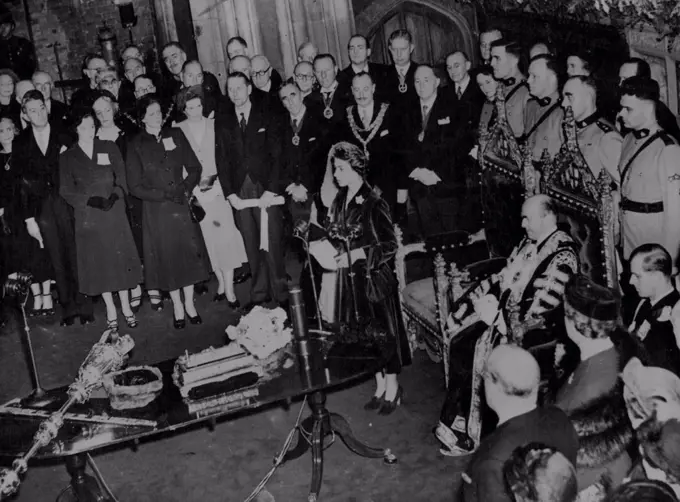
[34, 231]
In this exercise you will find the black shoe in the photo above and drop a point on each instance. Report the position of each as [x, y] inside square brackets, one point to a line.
[195, 320]
[235, 305]
[201, 288]
[219, 297]
[68, 320]
[86, 319]
[375, 402]
[179, 323]
[388, 407]
[241, 277]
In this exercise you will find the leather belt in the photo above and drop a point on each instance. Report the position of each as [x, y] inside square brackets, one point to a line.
[641, 207]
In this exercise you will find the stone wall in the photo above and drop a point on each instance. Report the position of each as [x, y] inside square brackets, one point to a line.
[74, 25]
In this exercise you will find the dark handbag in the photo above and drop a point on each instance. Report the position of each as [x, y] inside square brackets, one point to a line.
[195, 209]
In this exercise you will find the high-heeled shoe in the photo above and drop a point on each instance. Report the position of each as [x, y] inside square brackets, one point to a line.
[36, 309]
[158, 304]
[136, 303]
[112, 324]
[235, 305]
[195, 320]
[388, 407]
[47, 311]
[179, 323]
[375, 402]
[86, 319]
[219, 297]
[131, 321]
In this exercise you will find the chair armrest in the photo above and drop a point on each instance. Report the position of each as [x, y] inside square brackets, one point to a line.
[400, 257]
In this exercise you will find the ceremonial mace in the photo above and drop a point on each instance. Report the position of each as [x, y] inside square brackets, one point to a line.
[17, 287]
[107, 355]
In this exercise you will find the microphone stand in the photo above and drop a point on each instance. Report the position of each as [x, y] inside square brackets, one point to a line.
[18, 287]
[301, 231]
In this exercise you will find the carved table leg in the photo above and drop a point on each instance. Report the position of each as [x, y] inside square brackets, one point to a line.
[83, 488]
[340, 426]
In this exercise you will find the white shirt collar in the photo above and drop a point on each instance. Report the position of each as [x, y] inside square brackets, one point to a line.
[267, 87]
[245, 110]
[299, 116]
[368, 110]
[332, 89]
[359, 70]
[429, 103]
[464, 84]
[403, 69]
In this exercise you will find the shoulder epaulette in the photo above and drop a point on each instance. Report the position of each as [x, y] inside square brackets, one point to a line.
[604, 125]
[667, 139]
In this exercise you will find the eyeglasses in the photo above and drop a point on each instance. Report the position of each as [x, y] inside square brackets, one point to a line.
[261, 73]
[109, 81]
[303, 77]
[145, 90]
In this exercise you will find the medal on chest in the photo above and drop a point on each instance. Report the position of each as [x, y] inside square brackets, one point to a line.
[328, 112]
[403, 87]
[296, 139]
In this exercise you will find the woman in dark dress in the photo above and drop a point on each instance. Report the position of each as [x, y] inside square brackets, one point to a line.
[175, 257]
[9, 106]
[20, 251]
[113, 127]
[92, 181]
[372, 294]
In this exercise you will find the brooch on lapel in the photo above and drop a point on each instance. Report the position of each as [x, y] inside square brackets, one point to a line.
[359, 199]
[665, 315]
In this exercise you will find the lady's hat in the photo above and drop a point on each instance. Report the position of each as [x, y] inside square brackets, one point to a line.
[644, 386]
[594, 309]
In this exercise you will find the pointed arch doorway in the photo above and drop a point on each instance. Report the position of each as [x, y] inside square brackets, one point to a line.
[439, 27]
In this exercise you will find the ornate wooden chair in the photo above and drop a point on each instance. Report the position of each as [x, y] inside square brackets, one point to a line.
[586, 206]
[426, 303]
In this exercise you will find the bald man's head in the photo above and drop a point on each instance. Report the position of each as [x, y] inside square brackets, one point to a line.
[514, 371]
[261, 72]
[192, 73]
[426, 82]
[240, 64]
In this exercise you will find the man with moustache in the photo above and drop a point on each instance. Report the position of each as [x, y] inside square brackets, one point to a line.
[505, 56]
[378, 128]
[543, 114]
[439, 183]
[359, 52]
[248, 154]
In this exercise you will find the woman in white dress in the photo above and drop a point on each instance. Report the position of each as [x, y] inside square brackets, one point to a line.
[222, 238]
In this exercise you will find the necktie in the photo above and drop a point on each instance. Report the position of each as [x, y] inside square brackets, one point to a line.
[459, 92]
[365, 119]
[641, 133]
[425, 107]
[243, 122]
[295, 125]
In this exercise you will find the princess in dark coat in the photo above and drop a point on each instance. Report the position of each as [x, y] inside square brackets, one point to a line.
[366, 289]
[175, 256]
[92, 181]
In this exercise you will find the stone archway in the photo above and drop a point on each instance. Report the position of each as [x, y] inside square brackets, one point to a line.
[461, 17]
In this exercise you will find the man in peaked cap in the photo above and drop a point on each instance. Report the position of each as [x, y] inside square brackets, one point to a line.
[16, 53]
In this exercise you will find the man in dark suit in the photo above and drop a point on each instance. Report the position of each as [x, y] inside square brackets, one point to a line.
[304, 151]
[380, 130]
[463, 93]
[92, 65]
[511, 384]
[37, 149]
[174, 58]
[331, 100]
[359, 52]
[399, 86]
[57, 111]
[192, 74]
[439, 184]
[263, 79]
[248, 154]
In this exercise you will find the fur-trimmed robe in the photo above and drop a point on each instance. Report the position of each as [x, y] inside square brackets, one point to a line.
[593, 399]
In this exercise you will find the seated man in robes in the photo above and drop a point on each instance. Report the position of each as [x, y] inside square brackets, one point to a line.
[517, 305]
